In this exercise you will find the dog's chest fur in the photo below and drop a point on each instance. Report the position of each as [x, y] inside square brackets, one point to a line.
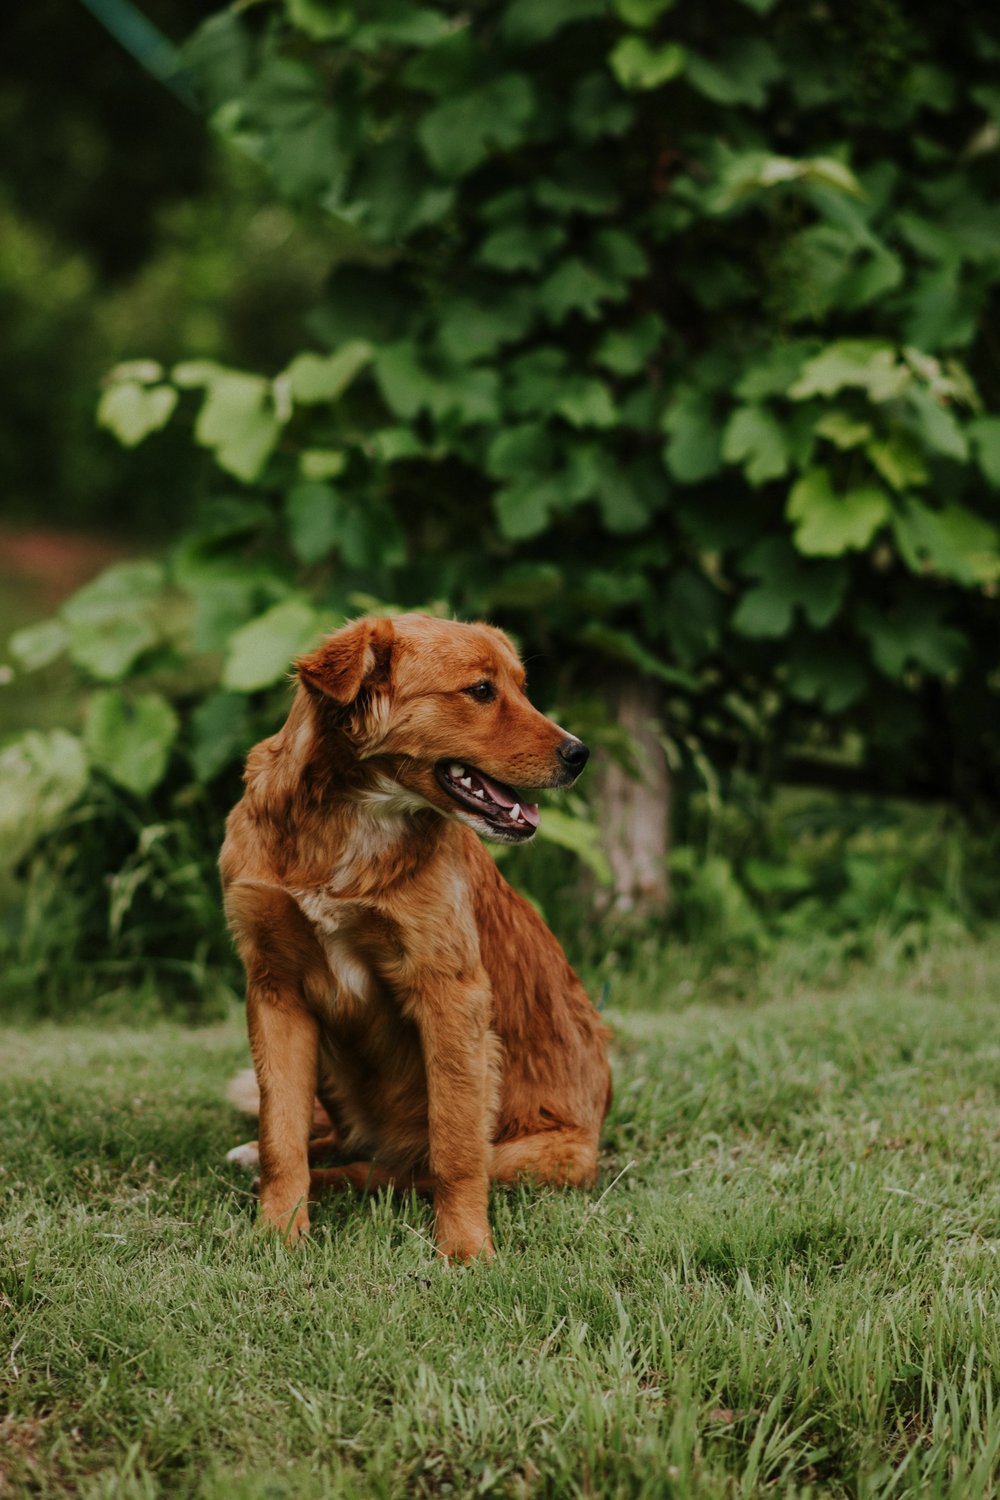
[371, 1075]
[340, 930]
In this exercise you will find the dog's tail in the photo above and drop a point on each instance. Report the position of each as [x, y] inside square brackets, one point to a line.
[242, 1092]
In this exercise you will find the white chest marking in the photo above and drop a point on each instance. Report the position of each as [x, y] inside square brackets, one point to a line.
[351, 973]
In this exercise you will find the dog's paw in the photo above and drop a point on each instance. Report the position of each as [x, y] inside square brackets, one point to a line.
[246, 1156]
[291, 1225]
[467, 1248]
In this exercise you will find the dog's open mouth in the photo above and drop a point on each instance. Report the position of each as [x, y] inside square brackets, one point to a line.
[497, 804]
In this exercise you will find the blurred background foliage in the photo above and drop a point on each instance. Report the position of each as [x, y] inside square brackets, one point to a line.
[663, 335]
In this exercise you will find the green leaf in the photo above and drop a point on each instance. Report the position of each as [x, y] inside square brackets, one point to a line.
[637, 65]
[821, 672]
[844, 431]
[110, 642]
[38, 645]
[763, 614]
[694, 450]
[742, 174]
[145, 371]
[598, 109]
[534, 382]
[787, 584]
[942, 314]
[587, 402]
[526, 23]
[521, 247]
[131, 738]
[261, 653]
[755, 439]
[124, 584]
[627, 351]
[621, 505]
[238, 422]
[324, 20]
[742, 76]
[642, 13]
[400, 25]
[868, 364]
[912, 634]
[985, 435]
[311, 512]
[524, 508]
[41, 776]
[132, 411]
[322, 463]
[596, 473]
[773, 370]
[522, 449]
[692, 616]
[323, 377]
[524, 584]
[771, 878]
[461, 133]
[470, 331]
[447, 69]
[113, 620]
[370, 534]
[937, 425]
[899, 460]
[576, 192]
[619, 255]
[191, 373]
[579, 836]
[827, 524]
[868, 282]
[471, 396]
[576, 286]
[953, 542]
[221, 733]
[397, 444]
[618, 645]
[403, 382]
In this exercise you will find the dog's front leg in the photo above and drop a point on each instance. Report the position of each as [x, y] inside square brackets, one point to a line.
[283, 1040]
[452, 1018]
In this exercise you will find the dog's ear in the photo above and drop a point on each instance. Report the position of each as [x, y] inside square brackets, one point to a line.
[351, 659]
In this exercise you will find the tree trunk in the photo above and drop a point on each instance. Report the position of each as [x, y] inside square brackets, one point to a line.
[633, 801]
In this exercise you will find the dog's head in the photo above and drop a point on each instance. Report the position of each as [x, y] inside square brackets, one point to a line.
[438, 710]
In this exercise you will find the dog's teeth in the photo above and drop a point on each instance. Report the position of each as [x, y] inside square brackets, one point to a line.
[456, 770]
[515, 811]
[466, 780]
[478, 793]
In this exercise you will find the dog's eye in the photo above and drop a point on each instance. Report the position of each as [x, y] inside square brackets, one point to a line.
[483, 692]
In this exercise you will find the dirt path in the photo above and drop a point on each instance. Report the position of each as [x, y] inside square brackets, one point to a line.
[46, 565]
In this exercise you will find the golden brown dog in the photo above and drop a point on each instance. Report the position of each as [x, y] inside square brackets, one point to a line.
[391, 970]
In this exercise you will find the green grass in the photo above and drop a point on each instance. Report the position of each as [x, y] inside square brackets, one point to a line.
[786, 1282]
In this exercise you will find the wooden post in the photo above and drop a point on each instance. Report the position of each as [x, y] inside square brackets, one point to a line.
[633, 802]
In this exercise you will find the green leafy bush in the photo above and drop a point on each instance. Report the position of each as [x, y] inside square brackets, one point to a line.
[658, 334]
[665, 341]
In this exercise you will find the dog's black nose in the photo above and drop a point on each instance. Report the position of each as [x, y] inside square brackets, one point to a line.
[574, 754]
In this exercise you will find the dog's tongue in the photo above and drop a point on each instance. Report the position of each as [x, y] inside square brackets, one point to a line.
[506, 798]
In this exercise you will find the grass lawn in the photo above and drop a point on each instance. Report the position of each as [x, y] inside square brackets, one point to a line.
[786, 1282]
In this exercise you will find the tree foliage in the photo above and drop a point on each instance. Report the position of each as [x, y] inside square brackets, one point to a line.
[659, 333]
